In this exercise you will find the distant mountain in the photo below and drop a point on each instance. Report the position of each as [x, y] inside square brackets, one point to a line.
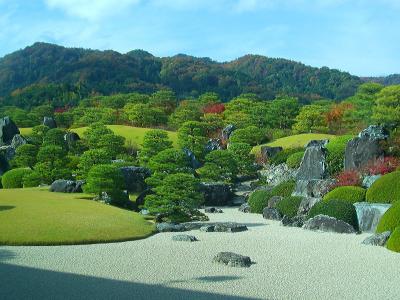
[109, 72]
[385, 80]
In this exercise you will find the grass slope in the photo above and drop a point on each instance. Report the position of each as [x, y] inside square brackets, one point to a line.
[37, 217]
[133, 135]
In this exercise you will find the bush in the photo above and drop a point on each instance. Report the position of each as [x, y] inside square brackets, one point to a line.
[282, 156]
[351, 194]
[258, 200]
[285, 189]
[393, 242]
[387, 165]
[14, 178]
[294, 160]
[289, 206]
[348, 178]
[336, 148]
[32, 179]
[390, 220]
[386, 189]
[251, 135]
[339, 209]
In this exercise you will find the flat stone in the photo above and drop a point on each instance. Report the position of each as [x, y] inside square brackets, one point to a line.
[170, 227]
[378, 239]
[296, 221]
[184, 238]
[328, 224]
[230, 227]
[207, 228]
[232, 259]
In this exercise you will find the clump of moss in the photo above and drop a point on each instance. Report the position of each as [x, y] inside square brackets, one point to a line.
[385, 190]
[289, 206]
[390, 219]
[393, 242]
[351, 194]
[258, 200]
[294, 160]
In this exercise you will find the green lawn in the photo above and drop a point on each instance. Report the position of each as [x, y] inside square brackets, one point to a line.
[294, 141]
[36, 216]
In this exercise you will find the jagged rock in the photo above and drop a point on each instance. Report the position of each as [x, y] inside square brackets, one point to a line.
[369, 180]
[170, 227]
[297, 221]
[4, 166]
[314, 188]
[49, 122]
[135, 178]
[232, 259]
[213, 144]
[271, 214]
[369, 214]
[216, 193]
[213, 210]
[71, 138]
[313, 164]
[227, 131]
[306, 204]
[207, 228]
[328, 224]
[184, 238]
[274, 175]
[245, 208]
[8, 130]
[17, 141]
[7, 152]
[229, 227]
[378, 239]
[66, 186]
[268, 152]
[317, 143]
[273, 201]
[194, 163]
[365, 148]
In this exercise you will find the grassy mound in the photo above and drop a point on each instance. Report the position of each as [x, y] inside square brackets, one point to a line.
[386, 189]
[351, 194]
[390, 220]
[393, 242]
[37, 217]
[289, 206]
[294, 160]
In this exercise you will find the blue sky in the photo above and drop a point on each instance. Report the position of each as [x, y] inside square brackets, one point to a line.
[358, 36]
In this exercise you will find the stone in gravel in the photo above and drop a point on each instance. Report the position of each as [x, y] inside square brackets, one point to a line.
[271, 214]
[378, 239]
[328, 224]
[230, 227]
[273, 201]
[207, 228]
[296, 221]
[232, 259]
[213, 210]
[170, 227]
[184, 238]
[245, 208]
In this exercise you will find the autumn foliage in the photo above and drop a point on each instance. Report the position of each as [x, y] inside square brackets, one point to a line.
[348, 178]
[214, 108]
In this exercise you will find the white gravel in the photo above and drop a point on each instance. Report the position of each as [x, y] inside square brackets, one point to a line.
[290, 263]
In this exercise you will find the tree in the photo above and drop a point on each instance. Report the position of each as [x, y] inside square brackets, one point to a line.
[244, 158]
[91, 158]
[154, 141]
[38, 133]
[164, 100]
[311, 119]
[220, 165]
[55, 137]
[144, 115]
[93, 134]
[111, 143]
[25, 156]
[52, 164]
[283, 111]
[192, 135]
[251, 135]
[387, 109]
[189, 110]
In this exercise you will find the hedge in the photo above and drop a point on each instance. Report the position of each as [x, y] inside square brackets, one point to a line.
[351, 194]
[14, 178]
[258, 200]
[390, 219]
[289, 206]
[385, 190]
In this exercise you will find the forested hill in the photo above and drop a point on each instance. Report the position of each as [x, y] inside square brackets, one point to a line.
[43, 65]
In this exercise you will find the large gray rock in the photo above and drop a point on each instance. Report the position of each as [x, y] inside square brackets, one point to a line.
[232, 259]
[313, 164]
[274, 175]
[170, 227]
[227, 131]
[296, 221]
[142, 197]
[273, 201]
[378, 239]
[229, 227]
[71, 138]
[245, 208]
[194, 163]
[271, 214]
[315, 188]
[4, 165]
[8, 152]
[135, 178]
[213, 144]
[49, 122]
[328, 224]
[66, 186]
[306, 204]
[216, 193]
[369, 215]
[8, 130]
[268, 152]
[17, 141]
[369, 180]
[365, 149]
[184, 238]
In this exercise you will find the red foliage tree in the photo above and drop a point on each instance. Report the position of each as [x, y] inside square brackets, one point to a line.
[384, 166]
[334, 117]
[214, 108]
[347, 178]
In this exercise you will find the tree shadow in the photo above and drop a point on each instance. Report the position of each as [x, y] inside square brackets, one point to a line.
[6, 255]
[209, 279]
[19, 282]
[6, 207]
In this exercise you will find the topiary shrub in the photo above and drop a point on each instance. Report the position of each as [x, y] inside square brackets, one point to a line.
[282, 156]
[339, 209]
[289, 206]
[390, 219]
[351, 194]
[258, 200]
[284, 189]
[32, 179]
[14, 178]
[294, 160]
[385, 190]
[393, 242]
[336, 148]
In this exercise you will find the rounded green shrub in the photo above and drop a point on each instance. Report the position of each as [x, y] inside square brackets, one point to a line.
[390, 219]
[351, 194]
[385, 190]
[294, 160]
[289, 206]
[258, 200]
[393, 242]
[282, 156]
[32, 179]
[336, 148]
[14, 178]
[284, 189]
[339, 209]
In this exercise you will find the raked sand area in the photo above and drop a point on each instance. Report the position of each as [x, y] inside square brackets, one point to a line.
[290, 263]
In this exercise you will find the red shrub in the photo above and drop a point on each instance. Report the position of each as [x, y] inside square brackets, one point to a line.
[347, 178]
[214, 108]
[382, 167]
[61, 109]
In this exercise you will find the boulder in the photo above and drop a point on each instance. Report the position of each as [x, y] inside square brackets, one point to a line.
[232, 259]
[207, 228]
[245, 208]
[378, 239]
[49, 122]
[184, 238]
[316, 143]
[315, 188]
[271, 214]
[170, 227]
[17, 141]
[297, 221]
[268, 152]
[71, 138]
[369, 214]
[274, 175]
[365, 149]
[135, 178]
[273, 201]
[230, 227]
[313, 165]
[7, 152]
[369, 180]
[213, 144]
[328, 224]
[66, 186]
[4, 166]
[194, 163]
[227, 131]
[7, 130]
[216, 193]
[213, 210]
[306, 204]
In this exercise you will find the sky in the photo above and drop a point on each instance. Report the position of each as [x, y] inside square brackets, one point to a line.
[358, 36]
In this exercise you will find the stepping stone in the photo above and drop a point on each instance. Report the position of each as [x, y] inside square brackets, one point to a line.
[184, 238]
[232, 259]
